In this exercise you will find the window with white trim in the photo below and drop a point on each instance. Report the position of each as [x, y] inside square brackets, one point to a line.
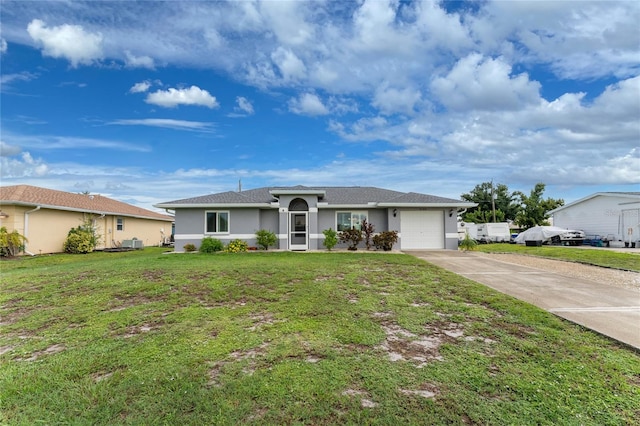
[120, 224]
[350, 220]
[216, 222]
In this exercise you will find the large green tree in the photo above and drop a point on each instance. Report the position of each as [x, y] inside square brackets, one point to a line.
[506, 205]
[534, 208]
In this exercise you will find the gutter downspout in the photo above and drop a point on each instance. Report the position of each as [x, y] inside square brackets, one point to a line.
[26, 228]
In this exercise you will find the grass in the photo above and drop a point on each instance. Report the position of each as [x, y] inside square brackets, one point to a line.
[291, 338]
[602, 257]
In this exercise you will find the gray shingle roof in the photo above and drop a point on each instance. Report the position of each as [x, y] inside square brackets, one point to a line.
[334, 195]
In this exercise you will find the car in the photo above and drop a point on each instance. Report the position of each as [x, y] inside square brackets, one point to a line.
[570, 237]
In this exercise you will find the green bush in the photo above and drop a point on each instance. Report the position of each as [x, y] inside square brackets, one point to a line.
[237, 246]
[79, 241]
[330, 238]
[467, 243]
[11, 243]
[210, 245]
[352, 237]
[189, 247]
[385, 240]
[265, 238]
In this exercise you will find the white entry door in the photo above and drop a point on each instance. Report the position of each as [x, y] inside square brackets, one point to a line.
[421, 229]
[298, 231]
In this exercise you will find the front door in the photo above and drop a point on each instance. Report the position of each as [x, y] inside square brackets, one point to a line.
[298, 231]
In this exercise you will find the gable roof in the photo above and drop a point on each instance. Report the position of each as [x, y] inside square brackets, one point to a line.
[329, 196]
[27, 195]
[632, 196]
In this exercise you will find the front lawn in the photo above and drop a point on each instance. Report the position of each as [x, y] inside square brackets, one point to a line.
[291, 338]
[598, 257]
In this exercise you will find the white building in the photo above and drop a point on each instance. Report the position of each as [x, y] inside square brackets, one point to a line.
[612, 215]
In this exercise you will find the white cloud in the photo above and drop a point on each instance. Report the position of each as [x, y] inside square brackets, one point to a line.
[55, 142]
[166, 123]
[133, 61]
[308, 104]
[25, 166]
[291, 67]
[287, 21]
[3, 45]
[5, 79]
[244, 106]
[484, 83]
[71, 42]
[393, 100]
[173, 97]
[141, 87]
[7, 150]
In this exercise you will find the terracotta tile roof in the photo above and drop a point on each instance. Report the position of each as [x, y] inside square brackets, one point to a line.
[49, 198]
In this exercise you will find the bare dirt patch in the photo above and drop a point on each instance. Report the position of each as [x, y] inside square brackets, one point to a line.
[53, 349]
[252, 354]
[365, 402]
[419, 349]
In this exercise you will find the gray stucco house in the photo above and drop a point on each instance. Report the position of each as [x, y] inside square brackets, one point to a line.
[299, 214]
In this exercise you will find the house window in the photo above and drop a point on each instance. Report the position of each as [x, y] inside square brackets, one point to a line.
[348, 220]
[120, 224]
[217, 222]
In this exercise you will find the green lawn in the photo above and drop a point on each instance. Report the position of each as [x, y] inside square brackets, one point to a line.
[605, 258]
[291, 338]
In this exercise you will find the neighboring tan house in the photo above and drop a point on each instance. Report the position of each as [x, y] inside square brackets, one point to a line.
[45, 216]
[299, 214]
[612, 215]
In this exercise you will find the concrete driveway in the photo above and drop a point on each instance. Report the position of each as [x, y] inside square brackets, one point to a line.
[612, 311]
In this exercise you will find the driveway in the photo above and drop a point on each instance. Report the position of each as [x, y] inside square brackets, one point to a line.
[609, 310]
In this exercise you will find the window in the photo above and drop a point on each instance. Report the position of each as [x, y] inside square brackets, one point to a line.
[217, 222]
[120, 224]
[348, 220]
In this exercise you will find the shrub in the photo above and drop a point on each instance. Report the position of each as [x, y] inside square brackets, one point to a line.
[352, 237]
[265, 238]
[79, 240]
[385, 240]
[330, 238]
[468, 243]
[210, 245]
[11, 243]
[367, 230]
[82, 239]
[237, 246]
[189, 247]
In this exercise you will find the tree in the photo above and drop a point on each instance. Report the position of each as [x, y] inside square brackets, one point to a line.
[534, 208]
[506, 207]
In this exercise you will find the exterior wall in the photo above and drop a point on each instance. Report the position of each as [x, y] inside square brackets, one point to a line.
[243, 223]
[149, 231]
[47, 229]
[451, 229]
[327, 218]
[596, 216]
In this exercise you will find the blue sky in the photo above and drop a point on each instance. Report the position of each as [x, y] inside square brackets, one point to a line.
[147, 102]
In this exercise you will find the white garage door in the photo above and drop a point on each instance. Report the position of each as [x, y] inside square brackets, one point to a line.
[422, 230]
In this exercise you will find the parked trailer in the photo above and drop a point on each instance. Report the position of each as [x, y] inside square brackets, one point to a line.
[465, 228]
[494, 232]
